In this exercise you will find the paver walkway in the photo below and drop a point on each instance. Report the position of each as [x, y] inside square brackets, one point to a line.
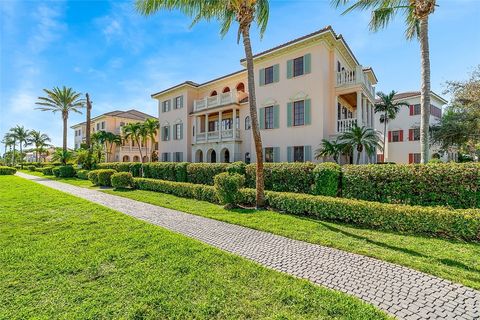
[403, 292]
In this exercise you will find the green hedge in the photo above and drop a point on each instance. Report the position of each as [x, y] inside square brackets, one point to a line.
[227, 187]
[132, 167]
[180, 189]
[171, 171]
[203, 173]
[32, 168]
[284, 176]
[82, 174]
[64, 171]
[104, 177]
[448, 184]
[7, 170]
[327, 179]
[122, 180]
[48, 171]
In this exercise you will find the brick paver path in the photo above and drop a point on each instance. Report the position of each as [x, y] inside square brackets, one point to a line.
[403, 292]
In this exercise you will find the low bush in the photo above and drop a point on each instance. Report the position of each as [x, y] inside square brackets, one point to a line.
[93, 176]
[237, 167]
[47, 171]
[180, 189]
[433, 221]
[82, 174]
[284, 177]
[32, 168]
[122, 180]
[203, 173]
[56, 171]
[181, 173]
[160, 170]
[227, 187]
[327, 179]
[437, 184]
[104, 177]
[133, 167]
[7, 170]
[65, 172]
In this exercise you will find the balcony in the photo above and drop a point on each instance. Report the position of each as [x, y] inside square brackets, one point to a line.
[217, 136]
[347, 78]
[133, 149]
[345, 125]
[221, 99]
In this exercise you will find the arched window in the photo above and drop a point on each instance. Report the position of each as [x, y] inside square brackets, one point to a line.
[214, 93]
[225, 90]
[126, 159]
[248, 124]
[240, 87]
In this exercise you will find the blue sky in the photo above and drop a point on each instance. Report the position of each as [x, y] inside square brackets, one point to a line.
[120, 58]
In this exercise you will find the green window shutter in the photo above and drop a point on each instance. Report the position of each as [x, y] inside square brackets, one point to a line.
[181, 157]
[181, 101]
[307, 63]
[276, 116]
[289, 69]
[290, 154]
[162, 134]
[261, 77]
[262, 118]
[289, 114]
[307, 153]
[181, 131]
[307, 112]
[168, 133]
[276, 154]
[263, 153]
[276, 73]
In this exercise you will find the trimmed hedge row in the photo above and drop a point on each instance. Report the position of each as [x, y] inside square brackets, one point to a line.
[431, 221]
[122, 180]
[132, 167]
[4, 171]
[437, 184]
[63, 171]
[82, 174]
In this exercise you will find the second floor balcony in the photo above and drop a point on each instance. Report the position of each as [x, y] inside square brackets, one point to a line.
[347, 78]
[218, 100]
[217, 136]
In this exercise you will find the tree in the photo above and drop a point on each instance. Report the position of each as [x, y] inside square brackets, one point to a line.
[151, 126]
[416, 13]
[244, 12]
[39, 140]
[389, 109]
[329, 148]
[361, 138]
[20, 135]
[63, 156]
[8, 141]
[135, 132]
[64, 100]
[112, 139]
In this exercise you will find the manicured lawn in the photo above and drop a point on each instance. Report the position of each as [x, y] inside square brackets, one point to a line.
[453, 260]
[64, 257]
[73, 181]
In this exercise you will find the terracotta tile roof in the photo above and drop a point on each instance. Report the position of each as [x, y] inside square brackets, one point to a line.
[129, 114]
[411, 94]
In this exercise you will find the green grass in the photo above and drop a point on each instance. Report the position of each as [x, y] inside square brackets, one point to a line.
[453, 260]
[64, 257]
[73, 181]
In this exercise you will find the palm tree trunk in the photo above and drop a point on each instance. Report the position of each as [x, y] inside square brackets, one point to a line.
[425, 91]
[13, 155]
[65, 119]
[21, 156]
[260, 186]
[384, 135]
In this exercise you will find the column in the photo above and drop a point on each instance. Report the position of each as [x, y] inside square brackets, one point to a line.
[206, 126]
[234, 126]
[372, 115]
[220, 125]
[359, 109]
[335, 114]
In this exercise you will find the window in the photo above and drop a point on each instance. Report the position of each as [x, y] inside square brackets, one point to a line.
[166, 133]
[268, 75]
[414, 158]
[415, 110]
[435, 111]
[414, 134]
[269, 118]
[178, 102]
[213, 126]
[299, 113]
[269, 155]
[178, 156]
[226, 124]
[248, 124]
[165, 156]
[98, 126]
[177, 129]
[166, 106]
[298, 66]
[298, 154]
[396, 136]
[103, 125]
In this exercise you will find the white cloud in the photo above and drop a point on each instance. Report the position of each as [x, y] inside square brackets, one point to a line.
[49, 27]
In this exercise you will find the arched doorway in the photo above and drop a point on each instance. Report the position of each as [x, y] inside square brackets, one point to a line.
[225, 155]
[199, 156]
[212, 156]
[225, 90]
[136, 159]
[126, 159]
[240, 87]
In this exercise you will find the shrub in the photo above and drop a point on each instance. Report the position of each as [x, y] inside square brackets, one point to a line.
[436, 221]
[122, 180]
[47, 171]
[237, 167]
[56, 171]
[180, 189]
[203, 173]
[445, 184]
[327, 179]
[32, 168]
[93, 176]
[288, 177]
[160, 170]
[104, 177]
[65, 172]
[227, 188]
[132, 167]
[82, 174]
[7, 171]
[181, 173]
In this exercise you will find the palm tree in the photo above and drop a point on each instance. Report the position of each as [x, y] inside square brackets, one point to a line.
[8, 141]
[361, 138]
[39, 140]
[64, 100]
[416, 13]
[21, 135]
[329, 148]
[151, 126]
[135, 132]
[244, 12]
[389, 109]
[63, 156]
[112, 139]
[101, 137]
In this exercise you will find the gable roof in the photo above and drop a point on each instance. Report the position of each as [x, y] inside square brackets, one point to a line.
[412, 94]
[129, 114]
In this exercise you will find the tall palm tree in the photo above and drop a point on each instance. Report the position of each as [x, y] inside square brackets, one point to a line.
[416, 13]
[64, 100]
[244, 12]
[97, 144]
[101, 137]
[329, 148]
[361, 138]
[112, 139]
[21, 135]
[389, 109]
[135, 132]
[151, 126]
[39, 140]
